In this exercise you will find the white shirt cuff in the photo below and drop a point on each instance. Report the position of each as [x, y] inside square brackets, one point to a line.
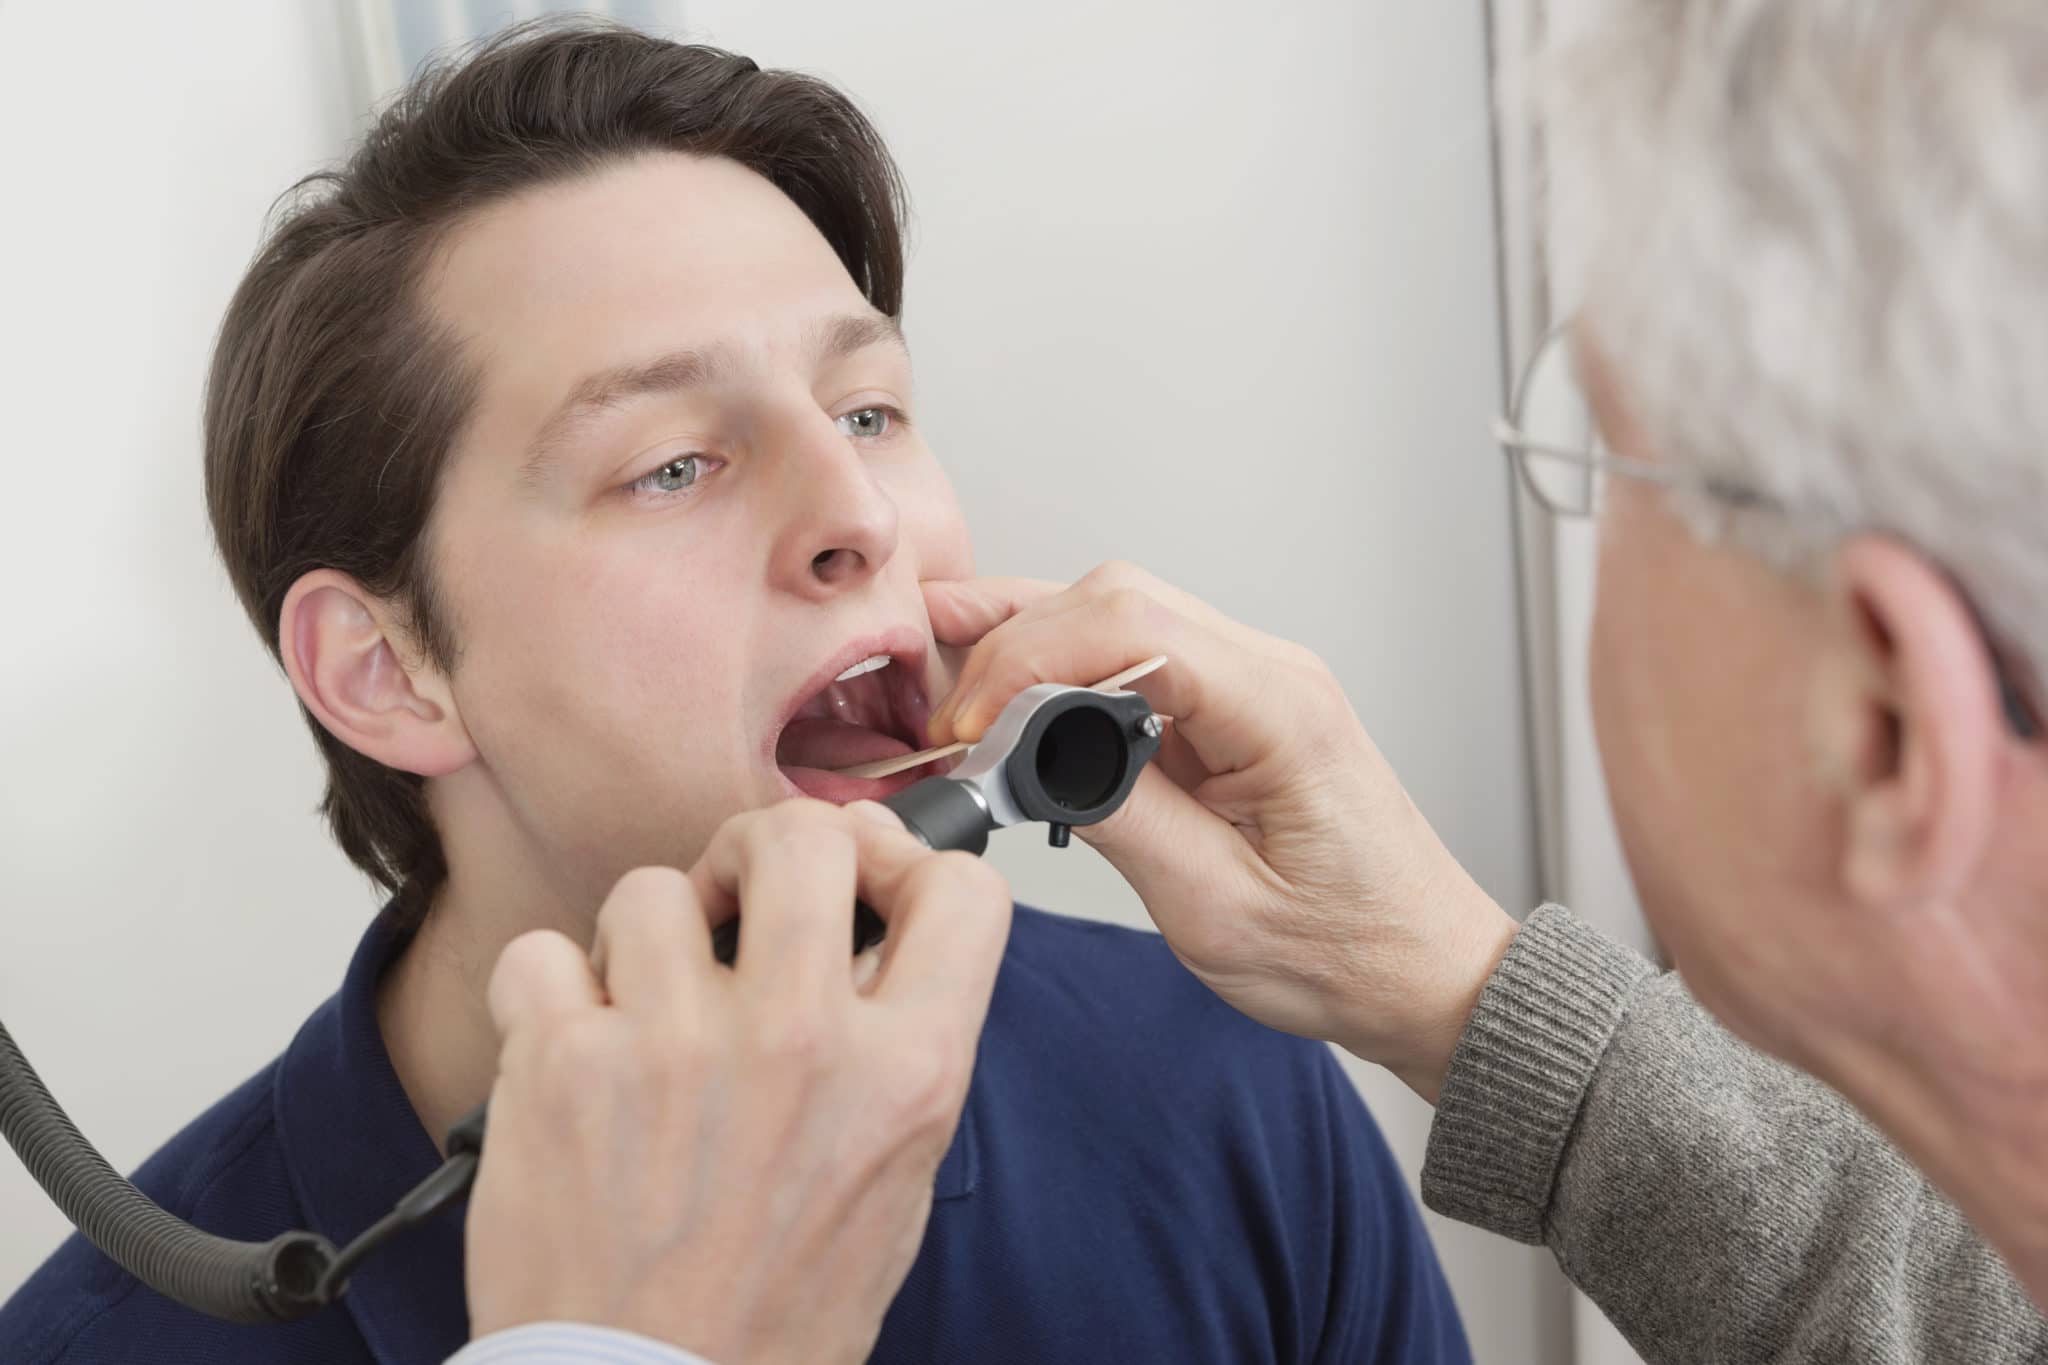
[570, 1343]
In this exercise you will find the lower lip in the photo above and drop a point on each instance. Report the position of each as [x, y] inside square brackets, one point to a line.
[839, 789]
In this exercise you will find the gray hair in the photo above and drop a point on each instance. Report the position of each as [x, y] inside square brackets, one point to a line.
[1811, 236]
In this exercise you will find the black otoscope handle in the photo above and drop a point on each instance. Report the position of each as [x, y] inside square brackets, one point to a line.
[944, 814]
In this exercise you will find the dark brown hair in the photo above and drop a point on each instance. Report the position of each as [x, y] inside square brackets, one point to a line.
[334, 396]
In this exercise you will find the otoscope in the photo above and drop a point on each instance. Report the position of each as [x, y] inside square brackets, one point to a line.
[1063, 756]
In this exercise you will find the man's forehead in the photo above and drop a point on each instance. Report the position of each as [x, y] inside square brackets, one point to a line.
[613, 263]
[817, 342]
[659, 274]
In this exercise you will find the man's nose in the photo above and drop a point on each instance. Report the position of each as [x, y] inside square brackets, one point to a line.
[841, 526]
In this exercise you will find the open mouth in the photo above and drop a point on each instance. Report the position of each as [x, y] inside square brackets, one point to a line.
[874, 708]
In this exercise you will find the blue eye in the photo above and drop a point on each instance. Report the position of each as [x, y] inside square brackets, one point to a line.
[867, 423]
[674, 477]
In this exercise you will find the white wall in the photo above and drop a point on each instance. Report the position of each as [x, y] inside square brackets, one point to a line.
[168, 903]
[1200, 286]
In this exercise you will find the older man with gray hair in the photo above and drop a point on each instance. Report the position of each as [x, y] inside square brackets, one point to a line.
[1813, 274]
[1814, 338]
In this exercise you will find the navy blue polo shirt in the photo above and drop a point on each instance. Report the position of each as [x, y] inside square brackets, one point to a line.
[1140, 1175]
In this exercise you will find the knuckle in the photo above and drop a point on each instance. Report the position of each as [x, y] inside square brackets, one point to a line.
[525, 956]
[928, 1082]
[808, 810]
[644, 886]
[736, 826]
[1326, 682]
[817, 841]
[1302, 657]
[1129, 607]
[796, 1040]
[641, 902]
[1116, 573]
[668, 1062]
[791, 826]
[1295, 670]
[970, 877]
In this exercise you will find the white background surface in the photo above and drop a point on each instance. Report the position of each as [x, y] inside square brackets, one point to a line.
[1208, 290]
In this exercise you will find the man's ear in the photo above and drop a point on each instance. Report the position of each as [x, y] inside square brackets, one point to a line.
[1927, 742]
[342, 650]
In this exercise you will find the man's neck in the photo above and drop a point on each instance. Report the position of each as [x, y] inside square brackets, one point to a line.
[432, 1005]
[1990, 1157]
[1964, 1090]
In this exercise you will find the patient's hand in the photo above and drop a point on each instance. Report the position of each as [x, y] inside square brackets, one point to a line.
[739, 1162]
[1271, 843]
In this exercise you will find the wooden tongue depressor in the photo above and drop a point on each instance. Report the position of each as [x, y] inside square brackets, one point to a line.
[889, 767]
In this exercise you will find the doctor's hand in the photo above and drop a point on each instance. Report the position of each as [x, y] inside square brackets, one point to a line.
[735, 1161]
[1271, 843]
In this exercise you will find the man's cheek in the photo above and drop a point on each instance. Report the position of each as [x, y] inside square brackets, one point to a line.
[950, 558]
[1605, 661]
[934, 528]
[1637, 683]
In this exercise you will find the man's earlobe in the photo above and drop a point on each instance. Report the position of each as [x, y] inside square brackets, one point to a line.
[339, 645]
[1921, 780]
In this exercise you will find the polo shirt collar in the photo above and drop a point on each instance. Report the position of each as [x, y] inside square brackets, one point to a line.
[354, 1148]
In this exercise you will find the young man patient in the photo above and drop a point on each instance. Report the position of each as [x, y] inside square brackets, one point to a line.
[562, 447]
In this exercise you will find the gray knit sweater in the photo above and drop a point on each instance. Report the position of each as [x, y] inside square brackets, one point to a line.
[1717, 1205]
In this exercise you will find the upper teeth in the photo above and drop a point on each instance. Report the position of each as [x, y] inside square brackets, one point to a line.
[867, 665]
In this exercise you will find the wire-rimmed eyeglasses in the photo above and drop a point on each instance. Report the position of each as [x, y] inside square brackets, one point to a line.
[1550, 435]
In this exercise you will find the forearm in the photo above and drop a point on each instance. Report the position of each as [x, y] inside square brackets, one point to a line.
[1715, 1203]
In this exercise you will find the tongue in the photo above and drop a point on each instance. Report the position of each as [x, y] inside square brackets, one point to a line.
[832, 744]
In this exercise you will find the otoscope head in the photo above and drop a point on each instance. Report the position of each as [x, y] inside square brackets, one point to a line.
[1079, 754]
[1063, 755]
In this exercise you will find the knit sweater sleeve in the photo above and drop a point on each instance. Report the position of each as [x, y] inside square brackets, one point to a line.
[1716, 1204]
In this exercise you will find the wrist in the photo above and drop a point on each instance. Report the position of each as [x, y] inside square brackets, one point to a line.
[1470, 934]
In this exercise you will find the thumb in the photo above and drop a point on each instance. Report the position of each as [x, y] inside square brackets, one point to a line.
[963, 610]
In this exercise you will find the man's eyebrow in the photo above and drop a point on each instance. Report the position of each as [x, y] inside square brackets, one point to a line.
[679, 371]
[676, 372]
[842, 336]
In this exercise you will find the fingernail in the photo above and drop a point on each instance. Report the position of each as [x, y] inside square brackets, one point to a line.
[958, 708]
